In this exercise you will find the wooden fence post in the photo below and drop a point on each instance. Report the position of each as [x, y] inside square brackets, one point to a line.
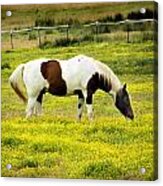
[39, 37]
[128, 33]
[11, 39]
[97, 30]
[67, 33]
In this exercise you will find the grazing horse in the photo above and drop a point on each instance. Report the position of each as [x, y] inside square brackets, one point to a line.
[80, 75]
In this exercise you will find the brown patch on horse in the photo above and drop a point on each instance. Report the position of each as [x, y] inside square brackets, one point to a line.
[52, 72]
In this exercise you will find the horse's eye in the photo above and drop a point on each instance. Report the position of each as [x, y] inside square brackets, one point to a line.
[125, 99]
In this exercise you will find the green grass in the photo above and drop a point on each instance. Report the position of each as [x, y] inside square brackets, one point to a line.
[57, 145]
[83, 12]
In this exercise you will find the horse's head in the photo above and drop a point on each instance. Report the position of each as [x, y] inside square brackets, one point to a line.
[122, 102]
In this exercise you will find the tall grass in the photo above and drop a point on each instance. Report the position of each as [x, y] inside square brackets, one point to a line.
[75, 37]
[26, 16]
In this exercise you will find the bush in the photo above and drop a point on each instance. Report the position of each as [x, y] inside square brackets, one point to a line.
[60, 42]
[49, 32]
[106, 19]
[147, 36]
[149, 14]
[63, 41]
[118, 17]
[69, 21]
[101, 29]
[44, 21]
[32, 36]
[5, 66]
[87, 37]
[46, 44]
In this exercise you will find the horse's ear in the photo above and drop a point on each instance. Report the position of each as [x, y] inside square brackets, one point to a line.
[124, 86]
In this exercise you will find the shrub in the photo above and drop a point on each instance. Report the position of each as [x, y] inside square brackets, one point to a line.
[5, 66]
[44, 21]
[69, 21]
[46, 44]
[63, 41]
[106, 19]
[49, 32]
[101, 29]
[32, 36]
[118, 17]
[87, 37]
[149, 14]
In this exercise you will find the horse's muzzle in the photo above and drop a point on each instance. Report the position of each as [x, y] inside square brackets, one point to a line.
[130, 116]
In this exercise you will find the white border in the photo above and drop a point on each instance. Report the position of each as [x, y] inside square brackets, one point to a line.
[56, 182]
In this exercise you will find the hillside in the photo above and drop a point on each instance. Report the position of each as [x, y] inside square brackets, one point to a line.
[23, 16]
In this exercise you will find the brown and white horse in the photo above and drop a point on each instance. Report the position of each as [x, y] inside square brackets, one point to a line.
[79, 75]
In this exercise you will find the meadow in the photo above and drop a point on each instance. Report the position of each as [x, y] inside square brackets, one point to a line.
[25, 16]
[57, 145]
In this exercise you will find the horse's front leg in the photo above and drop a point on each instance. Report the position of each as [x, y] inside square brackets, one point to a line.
[80, 105]
[80, 108]
[89, 106]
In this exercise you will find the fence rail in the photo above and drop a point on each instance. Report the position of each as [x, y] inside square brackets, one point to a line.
[96, 24]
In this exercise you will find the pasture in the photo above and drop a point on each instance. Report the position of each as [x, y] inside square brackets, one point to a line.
[57, 145]
[66, 13]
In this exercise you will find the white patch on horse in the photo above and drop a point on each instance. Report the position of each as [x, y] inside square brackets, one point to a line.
[37, 108]
[90, 111]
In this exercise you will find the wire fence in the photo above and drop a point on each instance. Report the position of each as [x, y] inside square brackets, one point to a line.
[63, 31]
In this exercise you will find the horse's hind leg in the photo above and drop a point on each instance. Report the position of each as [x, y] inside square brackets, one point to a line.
[38, 104]
[30, 106]
[80, 104]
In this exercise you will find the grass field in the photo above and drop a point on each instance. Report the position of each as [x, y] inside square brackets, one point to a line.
[56, 145]
[25, 16]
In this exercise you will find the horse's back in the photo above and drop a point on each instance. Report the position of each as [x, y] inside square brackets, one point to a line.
[77, 71]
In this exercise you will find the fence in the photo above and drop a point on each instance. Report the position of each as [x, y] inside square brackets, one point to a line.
[96, 26]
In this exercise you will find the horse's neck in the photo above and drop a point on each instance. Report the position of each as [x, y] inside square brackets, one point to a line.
[113, 81]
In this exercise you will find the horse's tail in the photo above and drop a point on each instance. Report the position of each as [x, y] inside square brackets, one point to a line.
[15, 80]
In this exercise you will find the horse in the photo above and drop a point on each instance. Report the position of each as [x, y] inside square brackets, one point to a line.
[80, 75]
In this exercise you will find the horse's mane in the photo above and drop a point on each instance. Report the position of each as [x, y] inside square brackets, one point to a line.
[108, 75]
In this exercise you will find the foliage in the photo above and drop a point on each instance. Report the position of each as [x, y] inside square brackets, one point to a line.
[32, 36]
[5, 65]
[43, 20]
[118, 17]
[64, 41]
[149, 14]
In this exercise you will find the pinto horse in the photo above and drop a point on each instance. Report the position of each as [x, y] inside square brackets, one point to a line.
[80, 75]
